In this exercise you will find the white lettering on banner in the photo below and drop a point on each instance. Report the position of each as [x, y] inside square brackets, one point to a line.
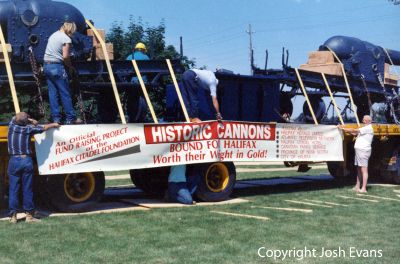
[83, 148]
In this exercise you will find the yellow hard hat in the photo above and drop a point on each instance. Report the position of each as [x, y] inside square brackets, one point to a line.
[140, 46]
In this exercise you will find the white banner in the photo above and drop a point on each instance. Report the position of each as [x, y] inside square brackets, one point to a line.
[84, 148]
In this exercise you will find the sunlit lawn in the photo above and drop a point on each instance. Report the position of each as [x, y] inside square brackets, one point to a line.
[195, 234]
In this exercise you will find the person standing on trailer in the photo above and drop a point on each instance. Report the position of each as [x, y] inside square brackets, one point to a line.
[20, 167]
[56, 61]
[199, 93]
[135, 102]
[363, 150]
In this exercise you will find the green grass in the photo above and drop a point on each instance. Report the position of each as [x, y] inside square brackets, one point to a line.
[118, 182]
[196, 235]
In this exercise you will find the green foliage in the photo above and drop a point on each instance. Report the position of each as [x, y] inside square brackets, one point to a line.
[124, 39]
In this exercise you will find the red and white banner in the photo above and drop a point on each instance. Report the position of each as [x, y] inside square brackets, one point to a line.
[84, 148]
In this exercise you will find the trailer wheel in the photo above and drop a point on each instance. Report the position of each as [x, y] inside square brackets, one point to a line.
[393, 177]
[153, 181]
[76, 191]
[216, 180]
[338, 170]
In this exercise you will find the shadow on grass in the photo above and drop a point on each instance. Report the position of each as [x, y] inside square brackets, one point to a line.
[265, 186]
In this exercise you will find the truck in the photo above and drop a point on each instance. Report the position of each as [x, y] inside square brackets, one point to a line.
[352, 69]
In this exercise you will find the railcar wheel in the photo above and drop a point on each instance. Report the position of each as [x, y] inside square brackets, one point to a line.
[153, 181]
[338, 170]
[76, 191]
[216, 180]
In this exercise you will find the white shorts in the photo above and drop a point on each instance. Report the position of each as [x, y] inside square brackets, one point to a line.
[362, 157]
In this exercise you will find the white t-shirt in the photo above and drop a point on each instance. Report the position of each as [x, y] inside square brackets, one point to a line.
[207, 80]
[54, 46]
[364, 138]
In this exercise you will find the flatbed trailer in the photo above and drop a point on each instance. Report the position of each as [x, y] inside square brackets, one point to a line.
[346, 65]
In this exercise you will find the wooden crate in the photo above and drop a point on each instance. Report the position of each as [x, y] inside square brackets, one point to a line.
[101, 32]
[329, 68]
[320, 57]
[8, 50]
[390, 78]
[97, 46]
[110, 51]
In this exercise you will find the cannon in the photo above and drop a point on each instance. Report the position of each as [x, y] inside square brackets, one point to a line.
[362, 59]
[30, 23]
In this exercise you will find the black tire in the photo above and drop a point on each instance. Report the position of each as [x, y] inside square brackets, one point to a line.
[75, 192]
[393, 177]
[153, 181]
[338, 170]
[216, 180]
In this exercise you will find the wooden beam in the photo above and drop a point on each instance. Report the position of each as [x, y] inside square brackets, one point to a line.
[178, 92]
[9, 72]
[110, 72]
[146, 95]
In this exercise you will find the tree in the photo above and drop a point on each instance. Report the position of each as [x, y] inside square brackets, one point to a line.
[153, 37]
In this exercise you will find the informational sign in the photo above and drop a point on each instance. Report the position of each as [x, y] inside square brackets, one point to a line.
[84, 148]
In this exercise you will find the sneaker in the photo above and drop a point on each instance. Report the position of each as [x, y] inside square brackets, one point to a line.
[13, 218]
[30, 219]
[77, 121]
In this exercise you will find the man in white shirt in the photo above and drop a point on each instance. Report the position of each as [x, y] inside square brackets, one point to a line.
[362, 148]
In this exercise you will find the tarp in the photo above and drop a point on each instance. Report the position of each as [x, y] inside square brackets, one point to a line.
[104, 147]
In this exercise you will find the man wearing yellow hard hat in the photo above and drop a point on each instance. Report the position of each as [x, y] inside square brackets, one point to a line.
[139, 52]
[136, 105]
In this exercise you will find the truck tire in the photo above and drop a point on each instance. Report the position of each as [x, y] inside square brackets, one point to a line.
[393, 177]
[216, 180]
[74, 192]
[338, 170]
[153, 181]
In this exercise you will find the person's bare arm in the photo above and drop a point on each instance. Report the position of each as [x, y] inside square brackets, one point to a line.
[353, 131]
[51, 125]
[195, 120]
[66, 57]
[216, 106]
[33, 121]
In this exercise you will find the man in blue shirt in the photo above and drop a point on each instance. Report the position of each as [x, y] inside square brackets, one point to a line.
[136, 105]
[139, 53]
[20, 165]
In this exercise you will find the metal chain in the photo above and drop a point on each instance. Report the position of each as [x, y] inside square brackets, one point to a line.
[36, 75]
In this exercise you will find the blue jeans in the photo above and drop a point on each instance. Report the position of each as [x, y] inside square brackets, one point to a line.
[20, 171]
[58, 85]
[179, 188]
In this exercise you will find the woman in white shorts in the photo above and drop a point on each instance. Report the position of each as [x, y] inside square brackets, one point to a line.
[362, 148]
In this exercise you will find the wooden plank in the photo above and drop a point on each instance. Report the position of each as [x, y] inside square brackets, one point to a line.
[307, 203]
[178, 92]
[353, 106]
[109, 50]
[110, 72]
[9, 72]
[332, 99]
[355, 198]
[329, 203]
[306, 96]
[378, 197]
[156, 203]
[331, 69]
[242, 215]
[320, 57]
[146, 95]
[9, 50]
[290, 209]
